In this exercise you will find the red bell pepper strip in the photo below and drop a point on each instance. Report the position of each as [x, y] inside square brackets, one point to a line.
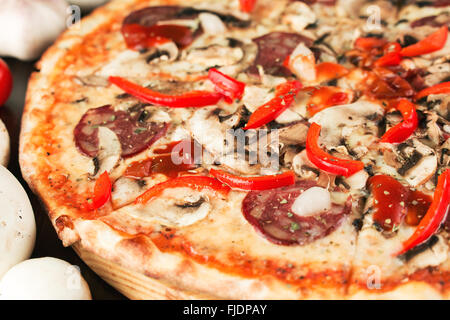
[197, 183]
[440, 88]
[433, 42]
[229, 87]
[325, 161]
[247, 5]
[186, 100]
[102, 193]
[369, 43]
[435, 216]
[285, 94]
[254, 183]
[406, 128]
[391, 57]
[6, 82]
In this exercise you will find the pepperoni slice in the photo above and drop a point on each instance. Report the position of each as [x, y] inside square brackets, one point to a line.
[273, 49]
[133, 131]
[270, 213]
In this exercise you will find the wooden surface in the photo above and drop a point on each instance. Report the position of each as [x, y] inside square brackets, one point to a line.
[47, 242]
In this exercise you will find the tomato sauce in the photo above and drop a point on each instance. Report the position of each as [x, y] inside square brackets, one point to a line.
[325, 97]
[166, 161]
[139, 37]
[395, 203]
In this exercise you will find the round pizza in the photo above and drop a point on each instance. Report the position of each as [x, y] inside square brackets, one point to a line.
[251, 149]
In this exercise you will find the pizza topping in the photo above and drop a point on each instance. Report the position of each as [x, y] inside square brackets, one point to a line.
[197, 183]
[395, 203]
[413, 160]
[302, 63]
[298, 16]
[211, 23]
[138, 37]
[391, 57]
[186, 100]
[383, 83]
[285, 94]
[170, 163]
[254, 183]
[441, 88]
[102, 193]
[151, 26]
[151, 16]
[435, 216]
[327, 71]
[433, 42]
[134, 135]
[247, 5]
[109, 151]
[325, 97]
[311, 202]
[325, 161]
[273, 49]
[271, 213]
[406, 128]
[227, 86]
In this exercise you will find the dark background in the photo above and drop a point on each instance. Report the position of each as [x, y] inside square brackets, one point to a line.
[47, 242]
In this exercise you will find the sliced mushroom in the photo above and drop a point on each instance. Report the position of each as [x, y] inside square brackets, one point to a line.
[432, 254]
[355, 125]
[414, 161]
[438, 72]
[133, 64]
[109, 152]
[93, 81]
[444, 154]
[298, 15]
[176, 207]
[429, 131]
[294, 134]
[213, 55]
[224, 140]
[250, 51]
[439, 103]
[126, 190]
[305, 169]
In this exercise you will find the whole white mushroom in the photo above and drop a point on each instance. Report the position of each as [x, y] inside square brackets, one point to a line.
[4, 145]
[28, 27]
[44, 279]
[17, 225]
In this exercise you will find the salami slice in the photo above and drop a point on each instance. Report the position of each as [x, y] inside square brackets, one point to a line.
[273, 49]
[270, 213]
[133, 131]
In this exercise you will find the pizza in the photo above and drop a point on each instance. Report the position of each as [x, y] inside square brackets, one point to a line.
[251, 149]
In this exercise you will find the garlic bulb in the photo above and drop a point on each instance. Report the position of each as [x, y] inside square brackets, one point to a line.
[88, 4]
[28, 27]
